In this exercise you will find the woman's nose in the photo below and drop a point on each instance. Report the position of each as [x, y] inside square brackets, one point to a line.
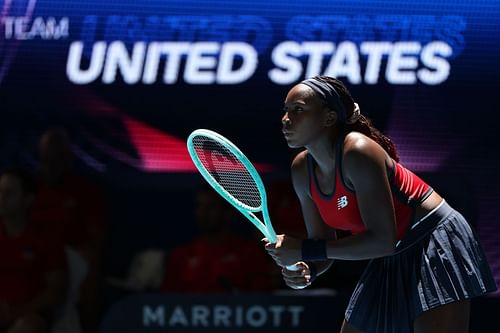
[285, 120]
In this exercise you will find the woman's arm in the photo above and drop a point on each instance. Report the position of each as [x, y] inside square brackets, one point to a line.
[316, 228]
[365, 168]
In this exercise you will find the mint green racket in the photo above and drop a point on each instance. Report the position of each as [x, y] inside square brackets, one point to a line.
[233, 176]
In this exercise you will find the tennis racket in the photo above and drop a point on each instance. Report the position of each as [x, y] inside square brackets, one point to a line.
[233, 176]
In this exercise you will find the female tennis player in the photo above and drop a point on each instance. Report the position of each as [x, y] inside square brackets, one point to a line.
[426, 262]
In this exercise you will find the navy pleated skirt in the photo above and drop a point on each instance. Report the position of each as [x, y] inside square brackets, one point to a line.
[438, 262]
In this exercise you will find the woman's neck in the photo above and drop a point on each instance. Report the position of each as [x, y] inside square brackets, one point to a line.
[323, 151]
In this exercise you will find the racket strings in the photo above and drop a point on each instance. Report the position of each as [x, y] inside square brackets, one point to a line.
[228, 171]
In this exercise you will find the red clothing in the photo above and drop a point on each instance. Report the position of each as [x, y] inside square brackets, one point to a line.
[24, 261]
[284, 209]
[67, 210]
[206, 267]
[340, 209]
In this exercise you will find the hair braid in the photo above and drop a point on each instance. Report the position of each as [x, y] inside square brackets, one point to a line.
[363, 124]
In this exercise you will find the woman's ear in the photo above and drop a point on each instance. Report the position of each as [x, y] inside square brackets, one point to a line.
[331, 118]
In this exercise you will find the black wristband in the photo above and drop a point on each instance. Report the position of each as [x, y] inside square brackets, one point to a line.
[313, 269]
[314, 250]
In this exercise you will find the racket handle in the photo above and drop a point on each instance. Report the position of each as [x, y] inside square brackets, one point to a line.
[293, 267]
[271, 236]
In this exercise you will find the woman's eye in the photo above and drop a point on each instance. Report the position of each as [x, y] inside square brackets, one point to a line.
[293, 109]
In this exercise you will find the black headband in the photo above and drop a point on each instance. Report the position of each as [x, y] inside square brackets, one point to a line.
[326, 91]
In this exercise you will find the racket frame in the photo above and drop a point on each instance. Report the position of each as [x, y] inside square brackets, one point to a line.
[265, 227]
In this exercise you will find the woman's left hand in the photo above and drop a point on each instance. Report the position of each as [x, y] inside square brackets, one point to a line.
[286, 251]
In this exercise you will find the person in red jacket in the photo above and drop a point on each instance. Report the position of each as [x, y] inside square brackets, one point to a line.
[219, 259]
[32, 267]
[72, 206]
[425, 260]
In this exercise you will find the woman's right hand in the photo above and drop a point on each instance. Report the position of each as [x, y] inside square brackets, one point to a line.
[297, 279]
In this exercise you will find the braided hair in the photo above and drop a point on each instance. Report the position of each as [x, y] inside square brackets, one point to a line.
[363, 124]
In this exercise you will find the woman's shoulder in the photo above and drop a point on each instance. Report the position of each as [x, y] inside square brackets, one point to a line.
[357, 141]
[361, 155]
[356, 145]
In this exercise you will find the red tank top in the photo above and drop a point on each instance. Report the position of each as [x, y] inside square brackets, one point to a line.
[340, 208]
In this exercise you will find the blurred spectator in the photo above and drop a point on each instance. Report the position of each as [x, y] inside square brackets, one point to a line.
[284, 209]
[72, 206]
[145, 272]
[220, 259]
[32, 267]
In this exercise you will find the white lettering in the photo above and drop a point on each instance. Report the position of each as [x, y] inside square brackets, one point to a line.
[153, 316]
[402, 63]
[174, 51]
[173, 64]
[178, 317]
[375, 51]
[20, 27]
[222, 316]
[200, 60]
[260, 319]
[73, 69]
[432, 56]
[38, 28]
[239, 316]
[118, 58]
[345, 62]
[8, 23]
[277, 311]
[236, 62]
[225, 72]
[199, 315]
[57, 31]
[316, 51]
[46, 28]
[283, 56]
[296, 311]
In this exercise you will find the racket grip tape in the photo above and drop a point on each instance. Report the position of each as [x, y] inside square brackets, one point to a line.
[293, 267]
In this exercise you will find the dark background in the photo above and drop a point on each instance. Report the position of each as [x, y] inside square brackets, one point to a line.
[447, 133]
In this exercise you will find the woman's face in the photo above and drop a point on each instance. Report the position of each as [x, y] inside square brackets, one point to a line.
[306, 117]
